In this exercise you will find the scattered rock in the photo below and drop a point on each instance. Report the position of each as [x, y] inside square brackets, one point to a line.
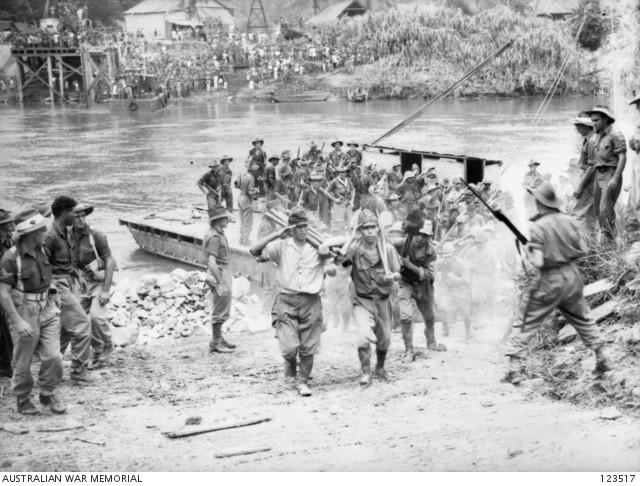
[635, 392]
[118, 299]
[536, 385]
[240, 287]
[610, 413]
[121, 336]
[193, 421]
[511, 453]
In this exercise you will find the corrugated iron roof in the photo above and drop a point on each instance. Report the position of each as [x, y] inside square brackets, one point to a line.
[336, 10]
[166, 6]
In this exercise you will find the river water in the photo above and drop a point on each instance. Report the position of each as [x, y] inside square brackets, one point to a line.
[149, 163]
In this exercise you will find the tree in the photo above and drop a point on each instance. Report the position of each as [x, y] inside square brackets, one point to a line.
[597, 24]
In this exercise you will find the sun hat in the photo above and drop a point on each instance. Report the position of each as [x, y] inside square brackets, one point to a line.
[408, 175]
[214, 164]
[257, 140]
[603, 110]
[333, 144]
[44, 209]
[274, 157]
[284, 170]
[83, 208]
[545, 194]
[286, 154]
[393, 197]
[29, 221]
[533, 162]
[427, 228]
[224, 158]
[217, 212]
[352, 144]
[582, 120]
[5, 216]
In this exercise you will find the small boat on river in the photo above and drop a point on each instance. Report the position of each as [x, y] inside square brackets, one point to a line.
[357, 95]
[146, 95]
[298, 98]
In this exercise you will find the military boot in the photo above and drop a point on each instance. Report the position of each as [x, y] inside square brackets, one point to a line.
[407, 336]
[364, 354]
[430, 334]
[216, 345]
[381, 373]
[290, 371]
[603, 363]
[514, 375]
[306, 365]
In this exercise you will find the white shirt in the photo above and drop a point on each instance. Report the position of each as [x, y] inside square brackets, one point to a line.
[300, 268]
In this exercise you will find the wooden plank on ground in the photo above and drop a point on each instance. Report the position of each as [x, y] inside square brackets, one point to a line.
[594, 288]
[568, 333]
[604, 310]
[222, 426]
[242, 450]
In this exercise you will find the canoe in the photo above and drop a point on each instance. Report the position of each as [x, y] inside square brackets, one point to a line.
[178, 235]
[299, 98]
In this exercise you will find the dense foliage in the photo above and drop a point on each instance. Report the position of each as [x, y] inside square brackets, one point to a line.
[430, 52]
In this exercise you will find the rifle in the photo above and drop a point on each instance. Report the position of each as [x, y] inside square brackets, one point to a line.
[499, 216]
[298, 156]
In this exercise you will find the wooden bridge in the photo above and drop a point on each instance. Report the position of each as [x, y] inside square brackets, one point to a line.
[53, 66]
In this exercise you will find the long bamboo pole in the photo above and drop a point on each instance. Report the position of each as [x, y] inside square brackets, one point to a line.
[416, 114]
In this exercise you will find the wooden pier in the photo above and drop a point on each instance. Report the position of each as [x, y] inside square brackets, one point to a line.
[53, 66]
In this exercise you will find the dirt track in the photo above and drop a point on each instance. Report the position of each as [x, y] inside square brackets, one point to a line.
[444, 412]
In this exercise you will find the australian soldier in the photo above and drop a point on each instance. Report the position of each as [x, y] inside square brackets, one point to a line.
[218, 277]
[76, 326]
[416, 290]
[7, 228]
[29, 298]
[224, 177]
[554, 246]
[209, 184]
[97, 265]
[258, 157]
[247, 192]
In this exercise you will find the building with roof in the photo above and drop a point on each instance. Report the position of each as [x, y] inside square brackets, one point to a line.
[349, 8]
[162, 16]
[554, 9]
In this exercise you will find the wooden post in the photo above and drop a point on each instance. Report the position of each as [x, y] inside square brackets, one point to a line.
[20, 76]
[50, 70]
[61, 74]
[86, 74]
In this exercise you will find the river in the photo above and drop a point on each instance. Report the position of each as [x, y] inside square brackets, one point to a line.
[151, 162]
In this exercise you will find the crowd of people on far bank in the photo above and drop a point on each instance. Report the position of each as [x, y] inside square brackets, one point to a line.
[200, 59]
[413, 243]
